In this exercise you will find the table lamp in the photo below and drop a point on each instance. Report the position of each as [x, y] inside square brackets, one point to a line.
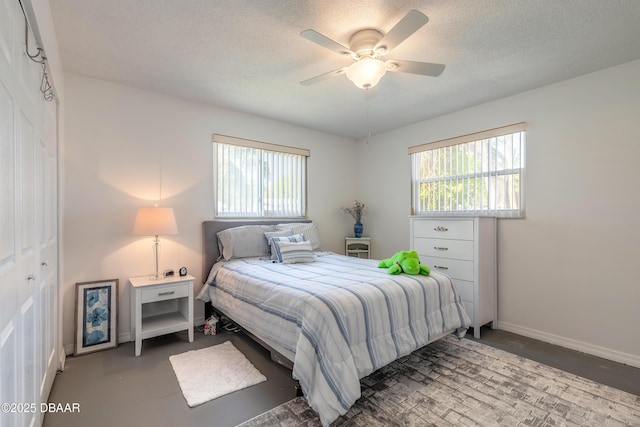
[154, 222]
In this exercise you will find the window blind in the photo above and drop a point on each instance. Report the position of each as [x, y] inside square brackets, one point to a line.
[258, 179]
[475, 174]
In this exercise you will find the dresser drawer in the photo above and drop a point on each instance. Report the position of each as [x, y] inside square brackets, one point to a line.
[443, 229]
[444, 248]
[464, 289]
[165, 293]
[454, 268]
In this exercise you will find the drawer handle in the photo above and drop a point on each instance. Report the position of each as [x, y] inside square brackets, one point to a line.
[439, 267]
[161, 294]
[440, 248]
[440, 228]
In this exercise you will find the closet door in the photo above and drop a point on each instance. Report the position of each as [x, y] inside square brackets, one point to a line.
[47, 217]
[10, 268]
[28, 229]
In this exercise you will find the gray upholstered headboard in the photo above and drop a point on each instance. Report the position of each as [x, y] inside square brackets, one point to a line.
[210, 249]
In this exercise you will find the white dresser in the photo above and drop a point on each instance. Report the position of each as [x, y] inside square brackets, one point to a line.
[465, 250]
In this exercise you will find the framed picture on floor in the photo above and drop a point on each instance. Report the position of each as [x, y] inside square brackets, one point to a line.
[96, 316]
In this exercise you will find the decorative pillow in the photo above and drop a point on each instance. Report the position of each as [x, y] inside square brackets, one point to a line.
[309, 229]
[270, 234]
[291, 238]
[293, 252]
[244, 241]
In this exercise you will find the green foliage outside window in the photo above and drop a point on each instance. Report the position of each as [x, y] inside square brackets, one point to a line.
[479, 177]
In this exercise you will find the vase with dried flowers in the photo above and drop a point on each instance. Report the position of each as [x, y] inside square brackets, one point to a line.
[357, 211]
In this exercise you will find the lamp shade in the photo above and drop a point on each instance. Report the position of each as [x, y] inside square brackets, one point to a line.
[154, 222]
[367, 72]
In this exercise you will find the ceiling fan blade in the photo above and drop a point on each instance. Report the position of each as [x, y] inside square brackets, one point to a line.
[325, 42]
[423, 68]
[408, 25]
[324, 76]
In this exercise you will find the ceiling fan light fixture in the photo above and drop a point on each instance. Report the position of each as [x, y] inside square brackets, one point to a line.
[367, 72]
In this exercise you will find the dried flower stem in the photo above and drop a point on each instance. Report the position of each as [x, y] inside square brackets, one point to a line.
[357, 211]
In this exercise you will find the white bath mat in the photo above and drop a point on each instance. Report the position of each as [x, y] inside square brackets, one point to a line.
[212, 372]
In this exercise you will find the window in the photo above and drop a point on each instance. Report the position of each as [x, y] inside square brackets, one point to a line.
[258, 179]
[477, 174]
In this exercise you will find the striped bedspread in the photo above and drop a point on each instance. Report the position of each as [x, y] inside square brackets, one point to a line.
[342, 317]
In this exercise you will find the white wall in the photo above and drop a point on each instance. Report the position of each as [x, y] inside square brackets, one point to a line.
[568, 273]
[124, 146]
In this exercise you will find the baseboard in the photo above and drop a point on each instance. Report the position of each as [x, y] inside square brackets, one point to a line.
[68, 349]
[594, 350]
[124, 337]
[62, 359]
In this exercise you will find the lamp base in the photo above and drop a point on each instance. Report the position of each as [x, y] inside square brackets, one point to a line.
[156, 252]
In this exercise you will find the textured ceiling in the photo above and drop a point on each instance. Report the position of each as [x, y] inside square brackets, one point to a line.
[247, 55]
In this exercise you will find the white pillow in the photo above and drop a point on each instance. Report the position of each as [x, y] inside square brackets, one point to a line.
[293, 252]
[309, 229]
[281, 236]
[244, 242]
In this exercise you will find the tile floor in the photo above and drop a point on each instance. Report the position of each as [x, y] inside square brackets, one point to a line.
[115, 388]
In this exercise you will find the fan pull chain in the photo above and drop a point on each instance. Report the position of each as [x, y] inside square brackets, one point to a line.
[367, 100]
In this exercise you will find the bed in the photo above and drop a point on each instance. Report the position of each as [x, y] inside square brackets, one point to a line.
[333, 320]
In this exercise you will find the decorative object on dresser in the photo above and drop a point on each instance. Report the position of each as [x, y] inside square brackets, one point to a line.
[357, 211]
[359, 247]
[96, 316]
[465, 249]
[154, 222]
[160, 307]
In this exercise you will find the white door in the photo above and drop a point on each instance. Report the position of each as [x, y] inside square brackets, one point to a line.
[28, 229]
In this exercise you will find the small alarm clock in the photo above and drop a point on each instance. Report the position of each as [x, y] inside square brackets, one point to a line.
[183, 271]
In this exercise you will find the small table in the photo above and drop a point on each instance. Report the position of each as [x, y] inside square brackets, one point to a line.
[160, 307]
[357, 246]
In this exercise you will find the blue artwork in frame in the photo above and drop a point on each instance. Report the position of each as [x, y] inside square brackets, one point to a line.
[97, 306]
[96, 315]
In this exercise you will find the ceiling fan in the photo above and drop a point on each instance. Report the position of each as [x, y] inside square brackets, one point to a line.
[367, 46]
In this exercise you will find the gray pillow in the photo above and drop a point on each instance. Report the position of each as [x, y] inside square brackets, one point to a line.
[244, 242]
[309, 229]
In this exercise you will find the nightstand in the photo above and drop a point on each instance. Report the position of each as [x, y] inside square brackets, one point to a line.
[160, 307]
[359, 247]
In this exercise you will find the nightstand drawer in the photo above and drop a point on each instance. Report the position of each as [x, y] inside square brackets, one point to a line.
[444, 229]
[164, 293]
[444, 248]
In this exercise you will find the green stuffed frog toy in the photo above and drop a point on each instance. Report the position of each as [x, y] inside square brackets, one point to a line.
[404, 262]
